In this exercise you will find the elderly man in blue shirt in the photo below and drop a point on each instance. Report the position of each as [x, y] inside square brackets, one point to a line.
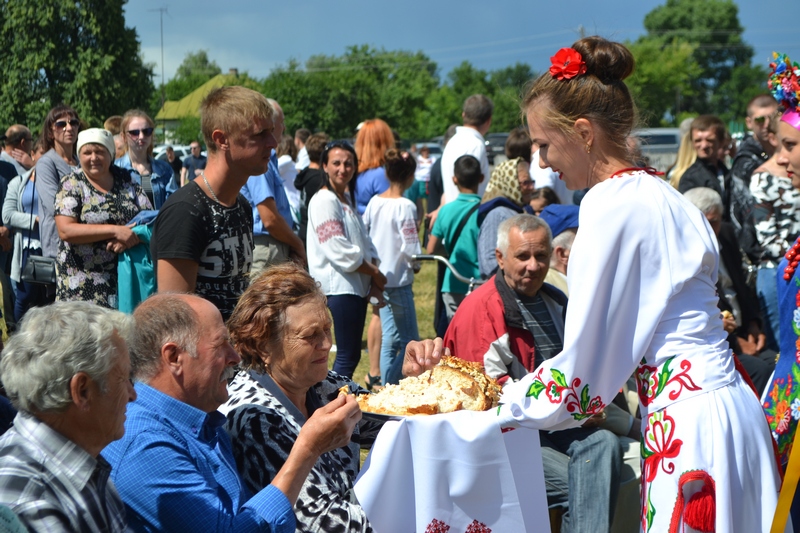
[275, 240]
[174, 468]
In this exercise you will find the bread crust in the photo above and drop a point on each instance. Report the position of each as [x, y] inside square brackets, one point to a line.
[452, 385]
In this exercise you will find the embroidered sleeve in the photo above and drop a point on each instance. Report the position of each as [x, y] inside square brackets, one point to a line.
[328, 225]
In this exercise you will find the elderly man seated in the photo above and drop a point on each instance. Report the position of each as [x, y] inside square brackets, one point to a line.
[511, 324]
[67, 370]
[174, 468]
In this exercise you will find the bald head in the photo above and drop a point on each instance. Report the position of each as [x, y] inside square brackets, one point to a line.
[18, 136]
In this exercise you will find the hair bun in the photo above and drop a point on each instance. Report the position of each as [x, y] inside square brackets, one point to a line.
[607, 60]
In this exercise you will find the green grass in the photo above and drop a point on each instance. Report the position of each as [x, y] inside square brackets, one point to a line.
[424, 300]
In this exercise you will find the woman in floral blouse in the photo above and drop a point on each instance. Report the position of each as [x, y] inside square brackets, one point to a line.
[92, 209]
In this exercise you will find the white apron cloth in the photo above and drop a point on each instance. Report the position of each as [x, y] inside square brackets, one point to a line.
[456, 473]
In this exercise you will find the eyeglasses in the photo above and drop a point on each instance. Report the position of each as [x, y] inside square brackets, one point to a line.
[526, 183]
[135, 133]
[61, 124]
[761, 120]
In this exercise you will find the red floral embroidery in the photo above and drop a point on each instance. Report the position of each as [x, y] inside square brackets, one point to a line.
[579, 405]
[650, 382]
[658, 447]
[437, 526]
[566, 64]
[478, 527]
[329, 229]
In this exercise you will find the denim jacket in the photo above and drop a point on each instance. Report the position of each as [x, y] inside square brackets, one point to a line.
[160, 179]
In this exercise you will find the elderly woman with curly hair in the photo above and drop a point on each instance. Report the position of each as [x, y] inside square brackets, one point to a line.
[282, 330]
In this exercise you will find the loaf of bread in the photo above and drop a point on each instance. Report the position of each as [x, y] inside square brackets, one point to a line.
[452, 385]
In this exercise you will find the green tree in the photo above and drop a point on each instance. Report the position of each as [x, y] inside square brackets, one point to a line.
[663, 77]
[335, 93]
[508, 85]
[713, 27]
[79, 53]
[194, 71]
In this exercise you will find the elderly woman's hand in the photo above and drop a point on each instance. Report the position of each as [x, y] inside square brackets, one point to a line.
[422, 355]
[331, 426]
[126, 236]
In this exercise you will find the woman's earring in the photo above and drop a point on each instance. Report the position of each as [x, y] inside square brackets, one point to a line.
[588, 148]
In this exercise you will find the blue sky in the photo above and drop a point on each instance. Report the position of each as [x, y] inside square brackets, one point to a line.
[258, 35]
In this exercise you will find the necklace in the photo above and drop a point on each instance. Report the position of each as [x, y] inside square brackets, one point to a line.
[793, 256]
[649, 170]
[214, 196]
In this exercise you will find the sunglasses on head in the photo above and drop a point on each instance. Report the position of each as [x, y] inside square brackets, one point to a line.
[61, 124]
[338, 144]
[135, 133]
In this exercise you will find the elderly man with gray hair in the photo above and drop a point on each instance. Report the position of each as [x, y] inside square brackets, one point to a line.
[67, 370]
[511, 324]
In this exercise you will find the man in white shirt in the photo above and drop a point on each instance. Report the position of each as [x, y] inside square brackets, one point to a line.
[300, 138]
[468, 140]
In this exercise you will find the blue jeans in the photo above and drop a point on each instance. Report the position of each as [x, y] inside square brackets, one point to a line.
[581, 473]
[349, 313]
[399, 327]
[767, 289]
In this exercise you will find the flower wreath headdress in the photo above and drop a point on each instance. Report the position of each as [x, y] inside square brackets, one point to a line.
[784, 83]
[566, 64]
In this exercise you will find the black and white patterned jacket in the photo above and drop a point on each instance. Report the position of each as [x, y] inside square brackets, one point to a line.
[264, 425]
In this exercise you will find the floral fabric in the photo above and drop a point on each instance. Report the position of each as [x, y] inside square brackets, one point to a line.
[89, 271]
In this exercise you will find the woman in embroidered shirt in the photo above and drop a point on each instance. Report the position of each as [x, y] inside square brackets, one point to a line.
[642, 278]
[154, 176]
[92, 209]
[282, 330]
[341, 256]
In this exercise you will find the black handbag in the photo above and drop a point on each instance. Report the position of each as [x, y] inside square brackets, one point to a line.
[38, 269]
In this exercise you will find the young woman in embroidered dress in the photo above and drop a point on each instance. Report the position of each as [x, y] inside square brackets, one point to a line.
[642, 281]
[782, 396]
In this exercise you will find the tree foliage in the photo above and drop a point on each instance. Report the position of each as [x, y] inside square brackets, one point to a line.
[712, 27]
[79, 53]
[194, 71]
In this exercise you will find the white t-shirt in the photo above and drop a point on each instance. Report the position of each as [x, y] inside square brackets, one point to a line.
[545, 177]
[302, 159]
[392, 226]
[288, 172]
[466, 141]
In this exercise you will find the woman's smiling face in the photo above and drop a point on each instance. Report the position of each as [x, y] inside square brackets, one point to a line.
[558, 151]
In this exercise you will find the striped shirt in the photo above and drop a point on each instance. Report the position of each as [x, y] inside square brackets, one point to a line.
[52, 484]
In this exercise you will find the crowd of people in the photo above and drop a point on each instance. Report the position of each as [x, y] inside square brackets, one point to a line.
[621, 309]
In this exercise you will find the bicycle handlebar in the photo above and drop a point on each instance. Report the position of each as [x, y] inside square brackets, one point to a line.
[472, 282]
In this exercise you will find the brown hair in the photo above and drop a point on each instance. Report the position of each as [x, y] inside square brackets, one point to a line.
[372, 141]
[258, 319]
[287, 147]
[315, 145]
[123, 129]
[113, 124]
[477, 110]
[231, 110]
[399, 165]
[709, 123]
[61, 110]
[762, 100]
[518, 145]
[599, 95]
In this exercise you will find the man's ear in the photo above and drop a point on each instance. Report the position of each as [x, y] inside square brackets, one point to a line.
[171, 357]
[221, 139]
[80, 390]
[499, 256]
[585, 131]
[481, 180]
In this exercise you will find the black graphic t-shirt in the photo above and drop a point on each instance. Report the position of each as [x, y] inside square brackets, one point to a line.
[192, 226]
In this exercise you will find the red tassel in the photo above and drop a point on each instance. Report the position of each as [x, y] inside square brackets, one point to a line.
[701, 510]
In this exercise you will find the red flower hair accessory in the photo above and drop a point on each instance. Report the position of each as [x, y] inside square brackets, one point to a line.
[566, 64]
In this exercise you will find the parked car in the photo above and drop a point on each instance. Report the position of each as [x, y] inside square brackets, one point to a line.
[435, 149]
[659, 146]
[495, 145]
[181, 151]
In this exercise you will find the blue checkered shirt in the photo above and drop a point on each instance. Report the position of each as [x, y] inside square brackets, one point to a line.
[175, 471]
